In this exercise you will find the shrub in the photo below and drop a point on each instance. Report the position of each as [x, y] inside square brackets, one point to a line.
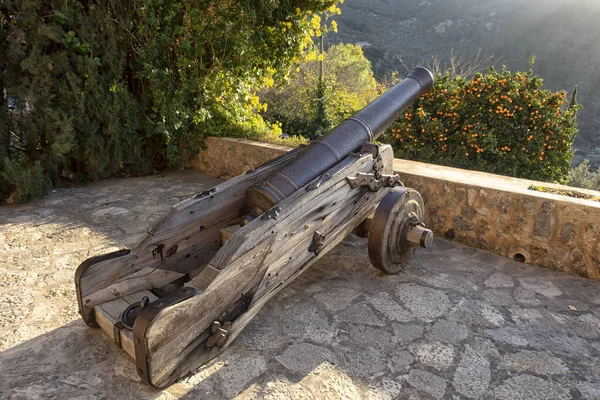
[582, 177]
[348, 85]
[66, 111]
[29, 180]
[97, 88]
[497, 122]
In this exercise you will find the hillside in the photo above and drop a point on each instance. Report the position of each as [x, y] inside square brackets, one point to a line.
[563, 36]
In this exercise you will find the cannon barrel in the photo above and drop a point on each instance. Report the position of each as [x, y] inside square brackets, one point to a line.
[364, 126]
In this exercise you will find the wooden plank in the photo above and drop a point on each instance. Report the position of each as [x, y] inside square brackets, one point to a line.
[175, 338]
[153, 278]
[228, 286]
[226, 233]
[180, 227]
[233, 189]
[346, 217]
[148, 278]
[137, 271]
[295, 207]
[109, 313]
[205, 277]
[331, 208]
[190, 246]
[342, 201]
[225, 213]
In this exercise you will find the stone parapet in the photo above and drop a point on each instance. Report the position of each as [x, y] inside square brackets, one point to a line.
[482, 210]
[501, 214]
[226, 157]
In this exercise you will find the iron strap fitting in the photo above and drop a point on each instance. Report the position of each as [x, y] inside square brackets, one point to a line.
[219, 334]
[273, 213]
[318, 242]
[414, 220]
[373, 182]
[378, 166]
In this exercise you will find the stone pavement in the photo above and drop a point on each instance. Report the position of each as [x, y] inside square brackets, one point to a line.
[460, 323]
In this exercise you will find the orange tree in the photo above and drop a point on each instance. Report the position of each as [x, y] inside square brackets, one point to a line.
[497, 122]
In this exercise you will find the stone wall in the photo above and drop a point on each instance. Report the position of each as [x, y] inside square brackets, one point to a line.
[482, 210]
[502, 215]
[225, 158]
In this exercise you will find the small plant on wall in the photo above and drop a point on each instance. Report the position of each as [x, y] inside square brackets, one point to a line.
[499, 122]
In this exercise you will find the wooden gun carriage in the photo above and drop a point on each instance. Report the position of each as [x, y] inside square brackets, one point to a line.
[185, 291]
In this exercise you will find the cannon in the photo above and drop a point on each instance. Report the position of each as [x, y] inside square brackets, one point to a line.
[190, 285]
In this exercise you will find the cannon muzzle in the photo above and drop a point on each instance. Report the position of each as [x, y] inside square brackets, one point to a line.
[364, 126]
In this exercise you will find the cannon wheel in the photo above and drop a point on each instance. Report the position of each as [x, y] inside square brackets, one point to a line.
[397, 229]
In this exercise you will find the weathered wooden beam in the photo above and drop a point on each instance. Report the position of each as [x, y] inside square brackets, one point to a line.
[258, 259]
[182, 243]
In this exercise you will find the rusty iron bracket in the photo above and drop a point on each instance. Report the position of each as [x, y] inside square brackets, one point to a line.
[219, 334]
[315, 185]
[117, 326]
[157, 250]
[131, 313]
[206, 193]
[369, 148]
[378, 166]
[318, 242]
[273, 213]
[373, 182]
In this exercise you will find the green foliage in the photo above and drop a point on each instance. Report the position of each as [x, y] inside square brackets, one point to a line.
[573, 99]
[29, 180]
[97, 88]
[321, 122]
[205, 62]
[4, 147]
[60, 119]
[497, 122]
[348, 85]
[582, 177]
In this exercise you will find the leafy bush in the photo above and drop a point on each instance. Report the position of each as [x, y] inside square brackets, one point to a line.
[204, 63]
[497, 122]
[30, 180]
[348, 85]
[582, 177]
[65, 109]
[97, 88]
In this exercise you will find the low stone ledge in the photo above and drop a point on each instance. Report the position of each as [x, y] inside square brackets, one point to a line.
[502, 215]
[226, 157]
[482, 210]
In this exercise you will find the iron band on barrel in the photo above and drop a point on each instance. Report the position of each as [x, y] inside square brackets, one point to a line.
[287, 179]
[364, 125]
[329, 147]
